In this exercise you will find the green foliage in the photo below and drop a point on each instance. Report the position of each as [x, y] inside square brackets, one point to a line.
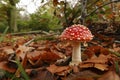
[55, 15]
[95, 10]
[39, 23]
[3, 35]
[44, 19]
[8, 13]
[23, 25]
[3, 17]
[2, 26]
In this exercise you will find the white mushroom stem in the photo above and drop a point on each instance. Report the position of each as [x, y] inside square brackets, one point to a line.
[76, 54]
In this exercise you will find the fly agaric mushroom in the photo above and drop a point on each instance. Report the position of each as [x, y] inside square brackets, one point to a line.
[76, 34]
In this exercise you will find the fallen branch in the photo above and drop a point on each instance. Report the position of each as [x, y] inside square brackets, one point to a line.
[30, 32]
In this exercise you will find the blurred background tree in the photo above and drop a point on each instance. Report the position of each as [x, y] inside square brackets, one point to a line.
[9, 14]
[57, 14]
[86, 11]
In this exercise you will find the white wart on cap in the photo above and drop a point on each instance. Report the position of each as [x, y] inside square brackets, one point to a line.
[77, 33]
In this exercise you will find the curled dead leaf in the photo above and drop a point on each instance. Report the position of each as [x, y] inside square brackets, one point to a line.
[100, 62]
[50, 57]
[101, 67]
[22, 50]
[59, 70]
[96, 51]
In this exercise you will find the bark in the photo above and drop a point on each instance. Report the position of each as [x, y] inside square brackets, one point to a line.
[83, 11]
[12, 17]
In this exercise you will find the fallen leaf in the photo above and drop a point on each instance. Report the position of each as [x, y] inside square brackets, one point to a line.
[49, 57]
[82, 75]
[101, 59]
[110, 75]
[88, 65]
[42, 74]
[101, 67]
[8, 51]
[59, 70]
[22, 50]
[96, 51]
[100, 63]
[4, 66]
[34, 55]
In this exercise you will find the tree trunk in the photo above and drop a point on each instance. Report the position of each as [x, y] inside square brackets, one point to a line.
[12, 17]
[13, 21]
[83, 11]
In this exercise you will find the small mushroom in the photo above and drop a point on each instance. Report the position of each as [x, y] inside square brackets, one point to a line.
[76, 34]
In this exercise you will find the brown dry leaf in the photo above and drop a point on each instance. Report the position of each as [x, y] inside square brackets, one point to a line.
[8, 51]
[84, 79]
[20, 40]
[5, 52]
[106, 41]
[82, 75]
[80, 78]
[6, 67]
[5, 44]
[101, 59]
[96, 51]
[110, 75]
[101, 67]
[34, 55]
[59, 70]
[53, 50]
[22, 50]
[38, 57]
[88, 65]
[96, 62]
[49, 57]
[34, 58]
[3, 57]
[42, 74]
[64, 47]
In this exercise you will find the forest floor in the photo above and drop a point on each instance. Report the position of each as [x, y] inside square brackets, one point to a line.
[32, 57]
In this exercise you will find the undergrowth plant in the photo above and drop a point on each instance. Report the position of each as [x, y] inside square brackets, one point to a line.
[3, 35]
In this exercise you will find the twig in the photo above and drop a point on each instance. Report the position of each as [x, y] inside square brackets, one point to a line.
[27, 43]
[31, 32]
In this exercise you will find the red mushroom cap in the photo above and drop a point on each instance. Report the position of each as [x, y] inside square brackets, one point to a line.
[77, 33]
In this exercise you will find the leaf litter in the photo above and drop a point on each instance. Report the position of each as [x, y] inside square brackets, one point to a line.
[49, 59]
